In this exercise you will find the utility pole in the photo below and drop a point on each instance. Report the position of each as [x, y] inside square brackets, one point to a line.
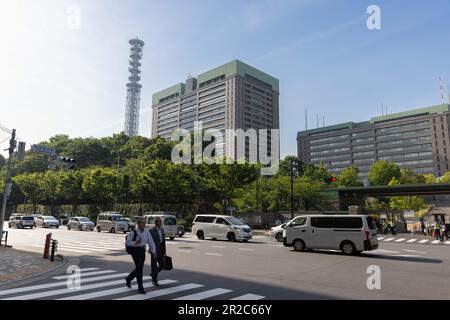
[292, 189]
[257, 193]
[8, 183]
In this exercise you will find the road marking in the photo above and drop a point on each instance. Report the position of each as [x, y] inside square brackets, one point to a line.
[213, 254]
[185, 251]
[414, 251]
[103, 293]
[58, 284]
[78, 247]
[435, 241]
[84, 274]
[447, 242]
[383, 251]
[380, 238]
[204, 294]
[249, 296]
[67, 290]
[162, 292]
[412, 240]
[400, 240]
[246, 249]
[405, 255]
[276, 245]
[220, 247]
[389, 239]
[423, 241]
[63, 249]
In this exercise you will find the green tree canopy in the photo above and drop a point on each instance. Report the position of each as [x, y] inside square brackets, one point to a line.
[382, 172]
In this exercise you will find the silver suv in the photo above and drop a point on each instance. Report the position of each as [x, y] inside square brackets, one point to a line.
[80, 223]
[21, 221]
[112, 222]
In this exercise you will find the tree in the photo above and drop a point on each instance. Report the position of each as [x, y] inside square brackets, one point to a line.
[446, 177]
[382, 172]
[32, 163]
[405, 202]
[430, 178]
[2, 161]
[50, 184]
[71, 187]
[160, 148]
[316, 173]
[31, 186]
[285, 166]
[99, 185]
[349, 178]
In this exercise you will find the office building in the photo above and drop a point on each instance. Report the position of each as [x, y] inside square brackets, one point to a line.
[416, 139]
[232, 96]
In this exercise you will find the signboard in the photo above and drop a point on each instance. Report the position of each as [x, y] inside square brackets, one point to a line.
[43, 150]
[383, 216]
[409, 214]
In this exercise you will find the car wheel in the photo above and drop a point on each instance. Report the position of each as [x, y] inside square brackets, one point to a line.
[9, 225]
[80, 228]
[68, 227]
[57, 227]
[200, 235]
[348, 248]
[99, 229]
[124, 231]
[279, 237]
[231, 237]
[44, 225]
[171, 238]
[299, 245]
[112, 230]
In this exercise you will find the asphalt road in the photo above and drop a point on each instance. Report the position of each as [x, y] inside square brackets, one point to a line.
[260, 269]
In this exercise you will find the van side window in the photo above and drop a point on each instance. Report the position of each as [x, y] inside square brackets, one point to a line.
[222, 221]
[348, 223]
[298, 222]
[206, 219]
[322, 222]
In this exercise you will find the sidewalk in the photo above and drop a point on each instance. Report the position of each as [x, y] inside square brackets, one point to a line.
[16, 265]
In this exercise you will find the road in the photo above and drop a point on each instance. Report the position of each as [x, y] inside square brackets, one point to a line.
[260, 269]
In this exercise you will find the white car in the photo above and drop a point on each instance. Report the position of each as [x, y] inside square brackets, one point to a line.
[277, 232]
[350, 233]
[220, 227]
[169, 223]
[80, 223]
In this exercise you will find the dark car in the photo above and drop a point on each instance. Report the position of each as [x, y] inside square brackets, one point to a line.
[64, 219]
[131, 223]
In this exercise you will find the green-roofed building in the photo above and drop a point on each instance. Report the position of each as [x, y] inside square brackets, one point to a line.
[231, 96]
[416, 139]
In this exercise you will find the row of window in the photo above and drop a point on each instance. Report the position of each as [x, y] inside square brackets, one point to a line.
[404, 126]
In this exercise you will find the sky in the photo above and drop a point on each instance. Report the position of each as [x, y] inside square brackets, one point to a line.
[60, 74]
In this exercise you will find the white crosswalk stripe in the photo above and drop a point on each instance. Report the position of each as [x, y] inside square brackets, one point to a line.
[400, 240]
[110, 285]
[204, 294]
[447, 242]
[90, 246]
[389, 239]
[412, 240]
[423, 241]
[435, 241]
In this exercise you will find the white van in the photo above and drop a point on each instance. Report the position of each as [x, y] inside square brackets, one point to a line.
[350, 233]
[112, 222]
[169, 223]
[220, 227]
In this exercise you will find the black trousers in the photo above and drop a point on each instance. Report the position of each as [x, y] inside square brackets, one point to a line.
[157, 265]
[139, 259]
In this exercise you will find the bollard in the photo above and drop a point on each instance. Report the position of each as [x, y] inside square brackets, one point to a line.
[54, 248]
[48, 238]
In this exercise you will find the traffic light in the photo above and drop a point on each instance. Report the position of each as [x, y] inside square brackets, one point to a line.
[70, 163]
[21, 151]
[330, 179]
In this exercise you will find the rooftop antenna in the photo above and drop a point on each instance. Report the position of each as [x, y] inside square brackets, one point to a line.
[448, 91]
[382, 109]
[387, 109]
[442, 90]
[317, 120]
[306, 119]
[323, 117]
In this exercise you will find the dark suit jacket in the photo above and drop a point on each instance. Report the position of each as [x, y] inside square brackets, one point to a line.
[160, 246]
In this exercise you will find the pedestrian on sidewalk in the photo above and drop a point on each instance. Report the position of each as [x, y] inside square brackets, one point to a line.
[444, 231]
[437, 231]
[138, 240]
[393, 230]
[159, 260]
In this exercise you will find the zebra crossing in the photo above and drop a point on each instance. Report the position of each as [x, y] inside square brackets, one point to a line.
[110, 285]
[413, 240]
[102, 246]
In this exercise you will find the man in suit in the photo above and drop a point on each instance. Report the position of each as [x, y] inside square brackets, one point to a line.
[159, 260]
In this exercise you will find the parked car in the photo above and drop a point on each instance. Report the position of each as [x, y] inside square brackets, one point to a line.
[46, 222]
[21, 221]
[64, 219]
[350, 233]
[169, 223]
[80, 223]
[277, 232]
[111, 222]
[180, 230]
[131, 223]
[220, 227]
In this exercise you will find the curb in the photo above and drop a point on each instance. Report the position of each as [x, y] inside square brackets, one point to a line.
[31, 279]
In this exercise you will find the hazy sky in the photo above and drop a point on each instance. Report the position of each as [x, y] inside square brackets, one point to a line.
[58, 79]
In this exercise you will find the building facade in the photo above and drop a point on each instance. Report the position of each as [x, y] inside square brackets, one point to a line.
[232, 96]
[416, 139]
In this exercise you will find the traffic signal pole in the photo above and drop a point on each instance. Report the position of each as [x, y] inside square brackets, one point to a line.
[8, 183]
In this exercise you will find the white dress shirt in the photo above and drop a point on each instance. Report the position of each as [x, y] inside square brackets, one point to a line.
[144, 236]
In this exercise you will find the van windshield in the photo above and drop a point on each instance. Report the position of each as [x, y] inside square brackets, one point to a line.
[170, 221]
[117, 218]
[235, 221]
